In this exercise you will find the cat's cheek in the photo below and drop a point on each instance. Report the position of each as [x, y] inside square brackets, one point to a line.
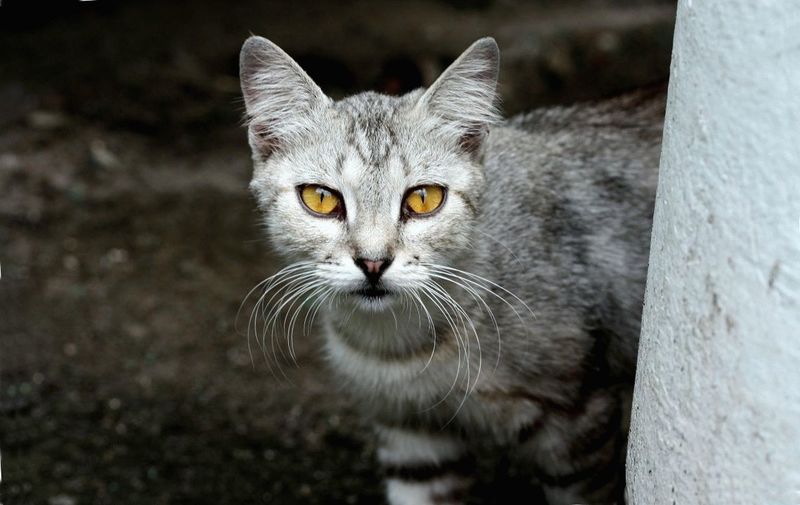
[418, 240]
[293, 229]
[447, 231]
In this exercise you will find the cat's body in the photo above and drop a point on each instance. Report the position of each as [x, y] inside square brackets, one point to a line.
[511, 312]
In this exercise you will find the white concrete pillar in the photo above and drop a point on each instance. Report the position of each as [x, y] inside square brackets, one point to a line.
[716, 416]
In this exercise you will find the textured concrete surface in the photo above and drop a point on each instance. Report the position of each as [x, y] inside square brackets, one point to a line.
[717, 403]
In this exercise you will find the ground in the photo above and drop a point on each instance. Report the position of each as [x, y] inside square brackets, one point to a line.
[128, 238]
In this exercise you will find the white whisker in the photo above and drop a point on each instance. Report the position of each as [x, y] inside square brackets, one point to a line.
[459, 345]
[268, 284]
[464, 319]
[481, 303]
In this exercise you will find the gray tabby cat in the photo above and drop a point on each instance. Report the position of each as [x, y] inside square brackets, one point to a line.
[477, 278]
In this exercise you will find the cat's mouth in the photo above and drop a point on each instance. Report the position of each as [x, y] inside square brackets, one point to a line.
[372, 292]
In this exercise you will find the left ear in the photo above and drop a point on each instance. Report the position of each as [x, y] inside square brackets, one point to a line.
[465, 95]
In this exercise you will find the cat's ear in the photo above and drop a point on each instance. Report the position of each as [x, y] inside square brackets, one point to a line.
[280, 98]
[465, 95]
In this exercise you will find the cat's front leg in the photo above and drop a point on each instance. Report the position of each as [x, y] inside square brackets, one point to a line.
[581, 455]
[423, 467]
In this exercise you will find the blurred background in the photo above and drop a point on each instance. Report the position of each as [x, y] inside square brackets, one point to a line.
[128, 238]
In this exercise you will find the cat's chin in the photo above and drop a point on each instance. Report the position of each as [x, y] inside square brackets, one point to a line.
[373, 300]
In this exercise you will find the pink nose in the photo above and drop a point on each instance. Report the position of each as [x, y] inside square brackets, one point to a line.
[373, 269]
[373, 266]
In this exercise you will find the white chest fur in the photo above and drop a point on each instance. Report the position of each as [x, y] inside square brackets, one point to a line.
[441, 386]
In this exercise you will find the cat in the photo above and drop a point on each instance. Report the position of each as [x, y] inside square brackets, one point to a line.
[477, 279]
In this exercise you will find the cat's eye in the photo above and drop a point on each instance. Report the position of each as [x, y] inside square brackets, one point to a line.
[321, 200]
[423, 200]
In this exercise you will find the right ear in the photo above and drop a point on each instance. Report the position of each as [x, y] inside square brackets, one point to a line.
[280, 98]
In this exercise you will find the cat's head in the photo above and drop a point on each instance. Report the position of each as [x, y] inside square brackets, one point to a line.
[366, 192]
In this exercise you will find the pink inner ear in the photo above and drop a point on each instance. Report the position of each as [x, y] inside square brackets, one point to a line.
[471, 142]
[266, 143]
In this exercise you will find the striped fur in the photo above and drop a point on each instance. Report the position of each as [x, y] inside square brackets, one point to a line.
[512, 314]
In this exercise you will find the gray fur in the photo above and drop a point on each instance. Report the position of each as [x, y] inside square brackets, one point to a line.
[554, 206]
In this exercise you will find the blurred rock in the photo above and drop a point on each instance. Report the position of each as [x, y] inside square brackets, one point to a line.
[62, 499]
[46, 119]
[101, 156]
[9, 162]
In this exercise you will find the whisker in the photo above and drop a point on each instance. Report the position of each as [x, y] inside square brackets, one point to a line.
[419, 303]
[288, 301]
[287, 269]
[441, 271]
[481, 303]
[467, 319]
[477, 278]
[268, 284]
[501, 244]
[313, 297]
[459, 345]
[394, 316]
[312, 311]
[329, 297]
[464, 318]
[290, 285]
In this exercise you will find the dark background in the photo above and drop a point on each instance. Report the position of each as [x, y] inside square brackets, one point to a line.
[128, 238]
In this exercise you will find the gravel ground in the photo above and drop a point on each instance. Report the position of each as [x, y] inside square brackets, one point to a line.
[128, 238]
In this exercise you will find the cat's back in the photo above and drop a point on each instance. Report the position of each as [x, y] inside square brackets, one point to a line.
[609, 142]
[570, 195]
[590, 158]
[640, 109]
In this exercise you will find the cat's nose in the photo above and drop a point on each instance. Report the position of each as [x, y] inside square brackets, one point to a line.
[373, 269]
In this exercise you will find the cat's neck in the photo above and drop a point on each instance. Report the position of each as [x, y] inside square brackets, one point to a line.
[397, 331]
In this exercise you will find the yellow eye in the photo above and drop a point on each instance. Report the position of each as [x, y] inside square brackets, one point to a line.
[321, 200]
[424, 199]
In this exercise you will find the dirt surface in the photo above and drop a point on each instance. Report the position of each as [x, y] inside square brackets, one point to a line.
[128, 238]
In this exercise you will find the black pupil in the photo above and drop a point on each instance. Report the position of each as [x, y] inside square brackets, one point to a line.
[422, 194]
[322, 194]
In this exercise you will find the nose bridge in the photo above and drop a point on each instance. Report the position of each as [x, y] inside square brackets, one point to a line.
[374, 237]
